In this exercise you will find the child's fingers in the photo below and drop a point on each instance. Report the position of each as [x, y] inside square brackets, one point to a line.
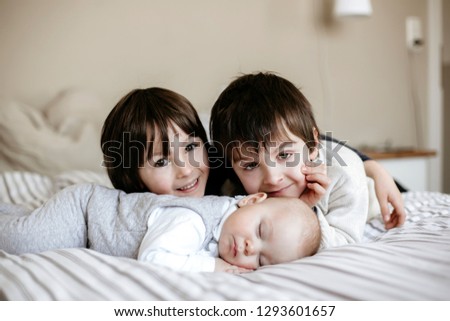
[399, 211]
[314, 169]
[316, 188]
[236, 270]
[384, 208]
[322, 179]
[232, 271]
[396, 220]
[393, 222]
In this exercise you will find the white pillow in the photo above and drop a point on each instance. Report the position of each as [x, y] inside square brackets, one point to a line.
[71, 109]
[32, 140]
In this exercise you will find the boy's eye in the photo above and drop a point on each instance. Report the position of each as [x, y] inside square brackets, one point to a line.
[161, 162]
[250, 166]
[192, 146]
[284, 155]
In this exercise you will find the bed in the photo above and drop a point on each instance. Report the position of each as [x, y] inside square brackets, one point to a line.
[407, 263]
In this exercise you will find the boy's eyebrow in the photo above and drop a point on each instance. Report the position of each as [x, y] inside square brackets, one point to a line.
[285, 144]
[156, 148]
[157, 145]
[238, 155]
[282, 146]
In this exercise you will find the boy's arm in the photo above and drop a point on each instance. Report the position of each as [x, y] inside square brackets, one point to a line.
[386, 190]
[174, 239]
[343, 211]
[343, 221]
[360, 154]
[387, 193]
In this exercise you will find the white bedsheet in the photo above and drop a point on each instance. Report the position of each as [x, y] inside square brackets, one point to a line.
[408, 263]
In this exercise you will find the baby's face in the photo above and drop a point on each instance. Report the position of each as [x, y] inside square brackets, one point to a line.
[263, 233]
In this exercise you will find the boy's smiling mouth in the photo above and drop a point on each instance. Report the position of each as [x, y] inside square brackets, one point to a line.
[189, 187]
[278, 192]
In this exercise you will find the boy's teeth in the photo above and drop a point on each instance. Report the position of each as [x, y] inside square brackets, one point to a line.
[188, 186]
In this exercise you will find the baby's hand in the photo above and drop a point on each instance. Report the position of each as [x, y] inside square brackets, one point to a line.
[237, 270]
[317, 182]
[223, 266]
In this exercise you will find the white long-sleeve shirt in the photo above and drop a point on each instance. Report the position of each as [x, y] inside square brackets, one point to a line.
[343, 210]
[175, 236]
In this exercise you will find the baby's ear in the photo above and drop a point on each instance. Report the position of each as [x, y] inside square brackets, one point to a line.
[252, 199]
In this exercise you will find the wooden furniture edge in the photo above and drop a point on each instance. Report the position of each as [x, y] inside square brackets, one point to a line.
[390, 154]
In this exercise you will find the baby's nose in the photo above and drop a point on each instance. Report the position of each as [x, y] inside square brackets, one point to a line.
[249, 248]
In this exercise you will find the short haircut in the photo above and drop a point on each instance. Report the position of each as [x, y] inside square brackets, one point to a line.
[124, 140]
[256, 108]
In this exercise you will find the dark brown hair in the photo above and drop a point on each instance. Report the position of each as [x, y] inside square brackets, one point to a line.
[124, 140]
[258, 107]
[251, 111]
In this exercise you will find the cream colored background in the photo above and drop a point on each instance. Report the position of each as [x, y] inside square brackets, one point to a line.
[356, 72]
[446, 82]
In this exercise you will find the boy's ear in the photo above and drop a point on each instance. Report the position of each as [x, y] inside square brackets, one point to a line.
[313, 155]
[252, 199]
[316, 135]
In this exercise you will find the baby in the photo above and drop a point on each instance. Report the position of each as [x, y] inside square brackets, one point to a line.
[211, 233]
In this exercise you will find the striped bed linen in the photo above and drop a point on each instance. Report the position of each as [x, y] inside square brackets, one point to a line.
[32, 189]
[411, 265]
[407, 263]
[25, 188]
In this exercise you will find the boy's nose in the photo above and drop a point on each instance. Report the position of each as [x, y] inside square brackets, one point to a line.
[183, 170]
[272, 175]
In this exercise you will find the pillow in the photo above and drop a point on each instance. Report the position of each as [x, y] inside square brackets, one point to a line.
[31, 189]
[51, 140]
[71, 109]
[24, 188]
[68, 178]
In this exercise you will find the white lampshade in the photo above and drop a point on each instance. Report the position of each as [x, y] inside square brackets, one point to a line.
[345, 8]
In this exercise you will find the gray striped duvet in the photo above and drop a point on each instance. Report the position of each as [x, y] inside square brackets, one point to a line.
[409, 263]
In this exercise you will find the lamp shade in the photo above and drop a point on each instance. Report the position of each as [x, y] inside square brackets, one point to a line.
[346, 8]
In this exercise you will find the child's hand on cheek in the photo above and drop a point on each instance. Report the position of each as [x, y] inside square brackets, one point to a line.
[317, 182]
[223, 266]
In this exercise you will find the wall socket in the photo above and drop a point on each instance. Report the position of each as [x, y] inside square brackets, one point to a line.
[414, 35]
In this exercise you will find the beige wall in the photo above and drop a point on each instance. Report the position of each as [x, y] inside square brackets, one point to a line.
[356, 72]
[446, 32]
[446, 78]
[446, 158]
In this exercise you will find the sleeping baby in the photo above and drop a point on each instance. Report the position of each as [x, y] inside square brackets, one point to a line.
[212, 233]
